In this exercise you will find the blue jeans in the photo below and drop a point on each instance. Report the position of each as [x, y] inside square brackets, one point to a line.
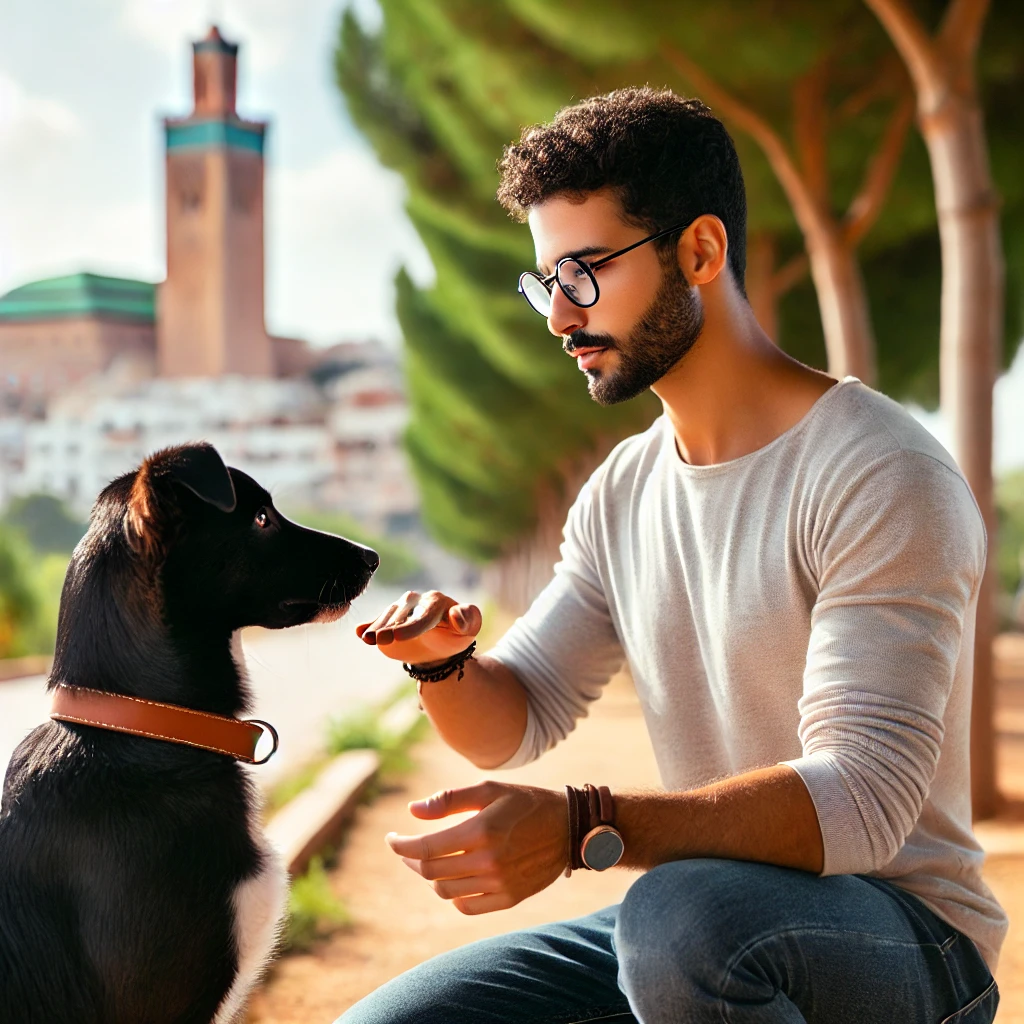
[697, 941]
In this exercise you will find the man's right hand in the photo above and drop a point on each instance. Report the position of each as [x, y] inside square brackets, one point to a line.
[423, 628]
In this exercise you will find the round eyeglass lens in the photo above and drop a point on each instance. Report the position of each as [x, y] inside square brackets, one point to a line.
[535, 293]
[577, 282]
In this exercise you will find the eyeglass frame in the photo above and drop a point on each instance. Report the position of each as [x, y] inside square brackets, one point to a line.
[552, 279]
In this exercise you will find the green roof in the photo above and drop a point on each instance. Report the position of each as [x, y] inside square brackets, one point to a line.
[76, 295]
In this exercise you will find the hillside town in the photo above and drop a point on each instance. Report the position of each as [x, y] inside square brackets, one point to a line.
[97, 371]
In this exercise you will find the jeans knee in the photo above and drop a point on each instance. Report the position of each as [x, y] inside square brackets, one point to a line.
[668, 931]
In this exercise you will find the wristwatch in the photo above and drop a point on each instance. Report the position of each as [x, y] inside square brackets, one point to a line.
[602, 846]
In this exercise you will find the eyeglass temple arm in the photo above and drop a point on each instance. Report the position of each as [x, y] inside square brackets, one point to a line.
[549, 281]
[643, 241]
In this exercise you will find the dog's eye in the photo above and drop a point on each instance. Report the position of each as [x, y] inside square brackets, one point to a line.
[262, 519]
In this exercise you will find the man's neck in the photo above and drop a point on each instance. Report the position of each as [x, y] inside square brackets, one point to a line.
[735, 391]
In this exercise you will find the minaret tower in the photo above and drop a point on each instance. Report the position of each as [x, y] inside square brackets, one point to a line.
[210, 308]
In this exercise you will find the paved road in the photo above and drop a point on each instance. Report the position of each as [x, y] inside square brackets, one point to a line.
[300, 677]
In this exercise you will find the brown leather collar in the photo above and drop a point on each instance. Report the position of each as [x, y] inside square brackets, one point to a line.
[168, 722]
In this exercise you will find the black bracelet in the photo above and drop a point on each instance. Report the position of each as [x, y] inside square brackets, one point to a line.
[444, 670]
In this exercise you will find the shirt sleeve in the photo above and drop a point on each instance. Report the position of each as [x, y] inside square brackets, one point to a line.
[565, 648]
[900, 559]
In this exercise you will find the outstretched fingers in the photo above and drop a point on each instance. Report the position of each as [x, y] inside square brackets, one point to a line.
[474, 864]
[426, 612]
[462, 838]
[456, 801]
[367, 632]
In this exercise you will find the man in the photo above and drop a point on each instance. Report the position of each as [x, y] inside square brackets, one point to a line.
[790, 566]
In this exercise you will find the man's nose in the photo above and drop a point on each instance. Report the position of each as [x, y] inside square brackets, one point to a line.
[565, 316]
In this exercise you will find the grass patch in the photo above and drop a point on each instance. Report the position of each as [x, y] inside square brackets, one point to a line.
[363, 731]
[314, 912]
[289, 788]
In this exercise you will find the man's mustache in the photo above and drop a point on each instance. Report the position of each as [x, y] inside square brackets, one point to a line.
[580, 340]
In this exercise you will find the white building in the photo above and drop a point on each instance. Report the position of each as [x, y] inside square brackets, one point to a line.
[367, 417]
[336, 446]
[12, 455]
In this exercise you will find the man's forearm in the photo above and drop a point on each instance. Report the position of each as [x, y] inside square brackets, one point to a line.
[482, 715]
[765, 815]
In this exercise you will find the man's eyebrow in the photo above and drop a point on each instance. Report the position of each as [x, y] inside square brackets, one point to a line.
[575, 254]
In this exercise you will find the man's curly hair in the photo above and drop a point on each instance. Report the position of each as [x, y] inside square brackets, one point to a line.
[669, 160]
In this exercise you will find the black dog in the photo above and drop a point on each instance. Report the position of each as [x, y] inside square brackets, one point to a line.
[135, 886]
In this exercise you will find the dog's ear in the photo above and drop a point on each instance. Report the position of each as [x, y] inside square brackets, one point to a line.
[149, 518]
[201, 469]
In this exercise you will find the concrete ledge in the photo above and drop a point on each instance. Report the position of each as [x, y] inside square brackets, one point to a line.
[315, 817]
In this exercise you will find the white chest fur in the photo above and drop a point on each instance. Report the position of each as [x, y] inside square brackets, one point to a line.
[258, 903]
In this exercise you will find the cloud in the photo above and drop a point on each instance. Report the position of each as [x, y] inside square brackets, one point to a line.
[336, 234]
[31, 126]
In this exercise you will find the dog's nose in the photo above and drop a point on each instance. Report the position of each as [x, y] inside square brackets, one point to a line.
[371, 558]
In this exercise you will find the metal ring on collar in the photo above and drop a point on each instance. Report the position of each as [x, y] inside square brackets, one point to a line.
[267, 727]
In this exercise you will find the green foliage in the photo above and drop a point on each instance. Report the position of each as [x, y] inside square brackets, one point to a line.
[46, 522]
[292, 785]
[30, 586]
[37, 535]
[397, 562]
[362, 730]
[497, 409]
[1010, 512]
[19, 598]
[314, 912]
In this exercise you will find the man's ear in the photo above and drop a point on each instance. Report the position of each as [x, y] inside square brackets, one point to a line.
[703, 250]
[201, 469]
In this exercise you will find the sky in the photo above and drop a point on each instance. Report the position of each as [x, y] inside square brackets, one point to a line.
[83, 86]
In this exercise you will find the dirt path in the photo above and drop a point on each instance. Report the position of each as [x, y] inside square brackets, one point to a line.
[399, 922]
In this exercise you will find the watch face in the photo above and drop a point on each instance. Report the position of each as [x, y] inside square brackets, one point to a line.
[602, 848]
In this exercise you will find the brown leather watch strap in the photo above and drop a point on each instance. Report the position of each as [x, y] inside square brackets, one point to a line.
[170, 722]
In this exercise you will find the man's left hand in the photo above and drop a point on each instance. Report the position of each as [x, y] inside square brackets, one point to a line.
[515, 846]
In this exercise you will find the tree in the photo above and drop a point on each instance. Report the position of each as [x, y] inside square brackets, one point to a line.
[498, 414]
[949, 112]
[19, 601]
[830, 241]
[502, 429]
[45, 522]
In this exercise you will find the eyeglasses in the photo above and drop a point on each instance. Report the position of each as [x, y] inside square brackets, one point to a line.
[576, 278]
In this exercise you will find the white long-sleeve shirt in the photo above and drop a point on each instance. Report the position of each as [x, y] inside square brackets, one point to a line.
[810, 603]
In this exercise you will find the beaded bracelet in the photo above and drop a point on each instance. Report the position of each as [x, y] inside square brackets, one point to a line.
[444, 670]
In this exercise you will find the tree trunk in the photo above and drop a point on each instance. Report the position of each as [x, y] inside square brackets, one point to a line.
[950, 118]
[831, 242]
[969, 343]
[843, 302]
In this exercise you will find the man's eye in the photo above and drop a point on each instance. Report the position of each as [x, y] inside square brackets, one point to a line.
[262, 519]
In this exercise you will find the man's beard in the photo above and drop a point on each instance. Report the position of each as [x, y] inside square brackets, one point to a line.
[664, 334]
